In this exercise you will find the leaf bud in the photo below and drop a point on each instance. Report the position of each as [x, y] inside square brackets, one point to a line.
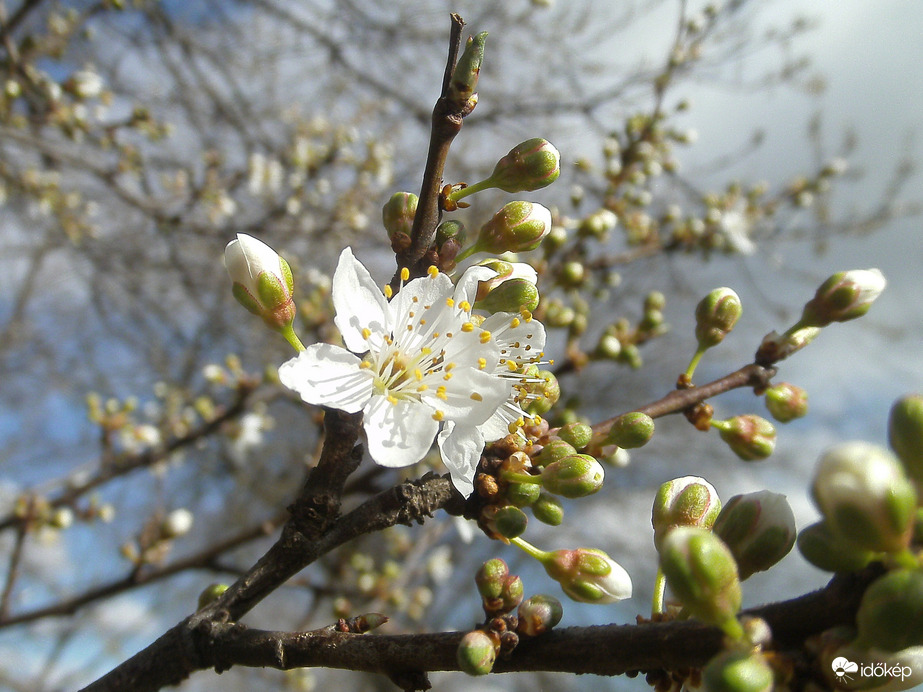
[490, 578]
[528, 166]
[715, 316]
[539, 614]
[865, 496]
[476, 653]
[588, 575]
[786, 402]
[507, 521]
[554, 450]
[575, 476]
[738, 671]
[631, 430]
[702, 574]
[398, 212]
[759, 529]
[548, 510]
[750, 437]
[517, 227]
[686, 501]
[844, 296]
[825, 550]
[905, 435]
[261, 280]
[890, 615]
[464, 80]
[576, 434]
[512, 592]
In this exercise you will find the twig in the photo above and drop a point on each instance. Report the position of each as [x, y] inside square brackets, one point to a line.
[16, 557]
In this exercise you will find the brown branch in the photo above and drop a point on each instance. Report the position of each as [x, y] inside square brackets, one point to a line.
[16, 558]
[677, 401]
[446, 123]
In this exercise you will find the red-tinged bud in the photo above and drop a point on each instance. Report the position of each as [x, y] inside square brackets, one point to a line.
[631, 430]
[477, 652]
[715, 316]
[539, 614]
[490, 578]
[686, 501]
[517, 227]
[786, 402]
[759, 528]
[262, 280]
[398, 212]
[749, 437]
[574, 476]
[844, 296]
[588, 575]
[528, 166]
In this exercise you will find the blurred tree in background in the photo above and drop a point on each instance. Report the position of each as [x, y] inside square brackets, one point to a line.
[148, 447]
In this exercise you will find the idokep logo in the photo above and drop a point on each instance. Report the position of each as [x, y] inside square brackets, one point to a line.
[846, 670]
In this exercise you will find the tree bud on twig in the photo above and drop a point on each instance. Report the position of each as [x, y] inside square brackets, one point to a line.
[538, 614]
[759, 528]
[631, 430]
[398, 212]
[890, 616]
[262, 280]
[575, 476]
[738, 671]
[786, 402]
[844, 296]
[477, 653]
[687, 501]
[715, 315]
[517, 227]
[749, 437]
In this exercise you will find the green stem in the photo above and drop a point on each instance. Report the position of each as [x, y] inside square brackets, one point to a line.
[530, 549]
[517, 477]
[465, 254]
[463, 192]
[660, 587]
[694, 363]
[291, 337]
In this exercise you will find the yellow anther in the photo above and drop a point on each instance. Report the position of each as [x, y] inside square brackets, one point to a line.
[433, 272]
[409, 327]
[365, 365]
[436, 335]
[515, 322]
[482, 363]
[366, 332]
[415, 299]
[476, 397]
[465, 305]
[441, 393]
[425, 351]
[411, 313]
[511, 364]
[423, 387]
[450, 303]
[468, 327]
[418, 374]
[439, 415]
[405, 273]
[388, 292]
[526, 315]
[449, 366]
[447, 376]
[392, 400]
[485, 337]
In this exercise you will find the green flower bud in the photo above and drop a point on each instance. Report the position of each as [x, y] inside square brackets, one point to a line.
[631, 430]
[609, 346]
[511, 296]
[262, 280]
[890, 615]
[715, 316]
[866, 498]
[786, 402]
[686, 501]
[490, 578]
[701, 572]
[588, 575]
[759, 529]
[539, 614]
[517, 227]
[554, 450]
[825, 550]
[572, 274]
[450, 230]
[512, 592]
[398, 212]
[528, 166]
[549, 392]
[507, 521]
[211, 593]
[738, 671]
[655, 300]
[749, 437]
[522, 494]
[577, 434]
[574, 476]
[905, 435]
[477, 653]
[844, 296]
[548, 510]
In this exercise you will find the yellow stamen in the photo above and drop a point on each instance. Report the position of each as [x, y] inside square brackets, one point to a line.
[365, 365]
[511, 364]
[439, 415]
[392, 400]
[405, 273]
[388, 292]
[447, 376]
[482, 363]
[465, 305]
[526, 315]
[433, 272]
[485, 337]
[423, 387]
[366, 332]
[449, 303]
[418, 374]
[515, 322]
[467, 327]
[441, 393]
[476, 397]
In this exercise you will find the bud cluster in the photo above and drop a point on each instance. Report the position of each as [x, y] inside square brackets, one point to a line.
[501, 595]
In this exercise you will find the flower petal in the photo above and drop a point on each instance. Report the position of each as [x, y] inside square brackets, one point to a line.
[359, 304]
[461, 447]
[467, 287]
[398, 434]
[519, 339]
[471, 396]
[328, 376]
